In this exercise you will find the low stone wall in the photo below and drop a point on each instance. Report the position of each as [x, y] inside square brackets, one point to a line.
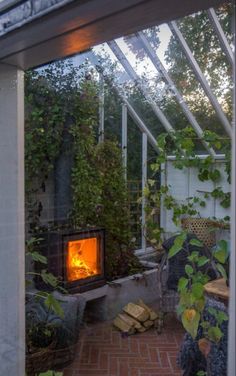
[106, 302]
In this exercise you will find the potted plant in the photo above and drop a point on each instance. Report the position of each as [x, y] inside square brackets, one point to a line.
[52, 321]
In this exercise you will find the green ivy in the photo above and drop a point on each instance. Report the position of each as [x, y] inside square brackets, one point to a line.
[182, 144]
[54, 95]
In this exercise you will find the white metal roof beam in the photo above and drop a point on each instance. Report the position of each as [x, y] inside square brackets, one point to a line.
[221, 35]
[159, 67]
[142, 126]
[200, 76]
[131, 72]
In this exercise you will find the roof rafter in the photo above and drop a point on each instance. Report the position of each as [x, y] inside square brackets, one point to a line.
[221, 35]
[159, 67]
[131, 72]
[140, 123]
[201, 78]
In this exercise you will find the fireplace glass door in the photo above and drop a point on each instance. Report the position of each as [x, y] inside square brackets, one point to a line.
[83, 259]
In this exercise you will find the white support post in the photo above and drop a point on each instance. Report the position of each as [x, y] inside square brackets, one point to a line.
[124, 138]
[101, 108]
[12, 244]
[232, 307]
[144, 182]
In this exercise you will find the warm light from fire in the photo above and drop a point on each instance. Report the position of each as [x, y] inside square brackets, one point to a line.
[82, 259]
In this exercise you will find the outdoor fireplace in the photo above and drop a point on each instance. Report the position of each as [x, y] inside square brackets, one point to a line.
[76, 257]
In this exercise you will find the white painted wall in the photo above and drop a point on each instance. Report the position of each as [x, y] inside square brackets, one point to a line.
[185, 183]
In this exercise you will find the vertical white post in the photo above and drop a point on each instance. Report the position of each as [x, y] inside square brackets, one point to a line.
[144, 181]
[101, 108]
[124, 138]
[12, 247]
[232, 317]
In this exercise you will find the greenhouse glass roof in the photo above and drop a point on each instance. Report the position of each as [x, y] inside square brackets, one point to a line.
[182, 73]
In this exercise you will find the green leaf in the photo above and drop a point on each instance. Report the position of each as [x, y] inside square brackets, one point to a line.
[178, 244]
[203, 260]
[201, 373]
[221, 255]
[203, 175]
[197, 290]
[53, 303]
[190, 320]
[222, 271]
[194, 256]
[49, 278]
[196, 242]
[212, 311]
[215, 334]
[188, 270]
[185, 298]
[180, 309]
[182, 284]
[36, 256]
[215, 175]
[151, 182]
[221, 317]
[205, 324]
[146, 191]
[200, 304]
[223, 244]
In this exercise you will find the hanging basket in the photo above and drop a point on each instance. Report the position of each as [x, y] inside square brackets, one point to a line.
[49, 359]
[202, 228]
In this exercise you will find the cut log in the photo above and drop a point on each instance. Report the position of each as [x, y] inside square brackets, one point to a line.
[137, 312]
[147, 324]
[142, 329]
[153, 314]
[123, 326]
[130, 320]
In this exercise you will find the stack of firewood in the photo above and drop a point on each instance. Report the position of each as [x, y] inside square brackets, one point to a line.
[138, 317]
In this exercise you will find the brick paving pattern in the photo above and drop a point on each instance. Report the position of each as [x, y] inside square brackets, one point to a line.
[102, 350]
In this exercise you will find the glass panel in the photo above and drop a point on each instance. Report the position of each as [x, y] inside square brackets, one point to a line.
[83, 259]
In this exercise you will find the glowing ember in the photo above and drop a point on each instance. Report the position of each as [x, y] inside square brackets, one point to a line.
[82, 259]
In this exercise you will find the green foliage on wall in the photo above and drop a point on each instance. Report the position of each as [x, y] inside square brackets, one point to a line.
[53, 95]
[114, 212]
[182, 144]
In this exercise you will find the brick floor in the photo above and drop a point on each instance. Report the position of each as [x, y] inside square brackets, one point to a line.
[102, 350]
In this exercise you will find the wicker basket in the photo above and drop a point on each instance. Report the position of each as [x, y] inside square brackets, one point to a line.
[201, 228]
[49, 359]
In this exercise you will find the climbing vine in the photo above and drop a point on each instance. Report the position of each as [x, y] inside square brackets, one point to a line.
[58, 97]
[192, 307]
[183, 144]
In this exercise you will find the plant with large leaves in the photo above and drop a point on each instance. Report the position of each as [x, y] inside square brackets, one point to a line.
[40, 334]
[192, 301]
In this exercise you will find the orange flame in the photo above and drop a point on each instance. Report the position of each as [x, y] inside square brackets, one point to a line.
[82, 259]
